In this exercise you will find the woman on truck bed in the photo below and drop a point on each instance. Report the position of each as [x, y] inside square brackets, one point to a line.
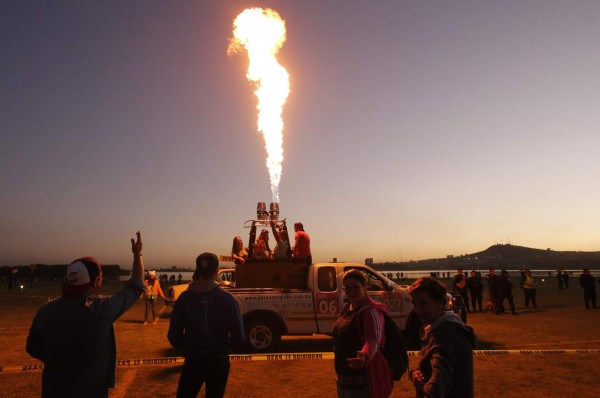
[360, 367]
[238, 251]
[282, 249]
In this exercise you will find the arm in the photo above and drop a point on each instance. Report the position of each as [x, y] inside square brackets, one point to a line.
[236, 326]
[176, 326]
[442, 360]
[371, 326]
[159, 290]
[114, 306]
[138, 264]
[252, 239]
[35, 343]
[275, 233]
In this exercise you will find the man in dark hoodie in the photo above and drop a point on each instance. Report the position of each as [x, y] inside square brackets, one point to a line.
[205, 323]
[446, 356]
[74, 335]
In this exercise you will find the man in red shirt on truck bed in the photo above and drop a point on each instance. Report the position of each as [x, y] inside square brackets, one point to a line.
[302, 245]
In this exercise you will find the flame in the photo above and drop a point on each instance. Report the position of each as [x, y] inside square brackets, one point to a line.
[262, 33]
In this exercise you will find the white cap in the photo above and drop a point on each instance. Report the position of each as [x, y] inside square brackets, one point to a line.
[77, 274]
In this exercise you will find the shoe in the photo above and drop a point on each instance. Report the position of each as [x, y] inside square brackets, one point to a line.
[155, 322]
[145, 323]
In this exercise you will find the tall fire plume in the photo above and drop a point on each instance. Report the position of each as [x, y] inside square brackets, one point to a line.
[262, 33]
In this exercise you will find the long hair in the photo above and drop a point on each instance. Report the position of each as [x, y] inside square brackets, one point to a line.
[234, 249]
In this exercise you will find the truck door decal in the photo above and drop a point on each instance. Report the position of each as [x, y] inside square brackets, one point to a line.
[327, 299]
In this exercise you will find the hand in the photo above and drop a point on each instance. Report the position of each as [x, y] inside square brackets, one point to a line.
[358, 362]
[418, 380]
[136, 247]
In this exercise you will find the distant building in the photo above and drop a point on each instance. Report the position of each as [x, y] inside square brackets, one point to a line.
[369, 261]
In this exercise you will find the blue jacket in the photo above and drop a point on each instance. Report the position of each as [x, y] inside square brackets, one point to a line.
[206, 321]
[75, 338]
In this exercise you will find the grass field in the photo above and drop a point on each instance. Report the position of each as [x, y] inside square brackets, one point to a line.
[561, 322]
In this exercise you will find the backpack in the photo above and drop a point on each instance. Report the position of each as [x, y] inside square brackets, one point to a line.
[395, 349]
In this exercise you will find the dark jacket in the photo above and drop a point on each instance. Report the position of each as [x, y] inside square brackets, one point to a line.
[446, 358]
[206, 321]
[587, 282]
[75, 339]
[474, 284]
[505, 286]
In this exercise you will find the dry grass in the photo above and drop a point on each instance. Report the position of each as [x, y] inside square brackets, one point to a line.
[561, 322]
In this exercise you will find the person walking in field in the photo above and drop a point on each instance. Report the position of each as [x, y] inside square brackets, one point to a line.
[206, 323]
[528, 284]
[153, 291]
[74, 336]
[588, 282]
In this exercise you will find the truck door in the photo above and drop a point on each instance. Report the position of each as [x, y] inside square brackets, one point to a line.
[327, 299]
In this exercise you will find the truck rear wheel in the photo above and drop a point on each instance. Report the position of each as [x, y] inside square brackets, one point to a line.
[262, 335]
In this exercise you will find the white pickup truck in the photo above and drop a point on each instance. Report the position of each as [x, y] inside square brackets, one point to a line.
[289, 298]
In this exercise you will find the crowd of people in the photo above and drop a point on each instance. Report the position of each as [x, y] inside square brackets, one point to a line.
[74, 335]
[259, 249]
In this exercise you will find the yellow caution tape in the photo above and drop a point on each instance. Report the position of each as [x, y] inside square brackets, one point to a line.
[298, 356]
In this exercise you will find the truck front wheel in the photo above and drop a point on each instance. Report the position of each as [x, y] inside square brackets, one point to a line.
[262, 335]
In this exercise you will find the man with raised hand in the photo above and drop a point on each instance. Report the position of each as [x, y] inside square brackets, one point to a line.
[74, 336]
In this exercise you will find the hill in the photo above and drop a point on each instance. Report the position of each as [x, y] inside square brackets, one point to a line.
[504, 256]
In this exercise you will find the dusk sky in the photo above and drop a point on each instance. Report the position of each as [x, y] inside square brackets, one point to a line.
[413, 129]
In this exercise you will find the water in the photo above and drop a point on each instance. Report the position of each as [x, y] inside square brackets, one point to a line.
[538, 274]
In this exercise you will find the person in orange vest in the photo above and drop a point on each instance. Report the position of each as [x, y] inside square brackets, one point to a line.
[152, 292]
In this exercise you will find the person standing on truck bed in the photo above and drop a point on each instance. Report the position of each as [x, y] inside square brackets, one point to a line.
[238, 251]
[302, 244]
[358, 334]
[282, 249]
[206, 323]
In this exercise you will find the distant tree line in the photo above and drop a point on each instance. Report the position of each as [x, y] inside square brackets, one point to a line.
[56, 271]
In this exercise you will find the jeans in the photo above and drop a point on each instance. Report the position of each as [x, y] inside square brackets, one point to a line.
[529, 295]
[197, 371]
[362, 392]
[150, 306]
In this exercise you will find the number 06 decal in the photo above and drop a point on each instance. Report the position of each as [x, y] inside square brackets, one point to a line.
[328, 304]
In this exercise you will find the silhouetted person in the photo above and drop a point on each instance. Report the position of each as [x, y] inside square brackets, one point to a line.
[459, 286]
[505, 287]
[74, 336]
[205, 323]
[475, 290]
[588, 283]
[559, 279]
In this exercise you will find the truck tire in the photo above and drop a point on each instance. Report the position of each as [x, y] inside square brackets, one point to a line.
[262, 334]
[412, 334]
